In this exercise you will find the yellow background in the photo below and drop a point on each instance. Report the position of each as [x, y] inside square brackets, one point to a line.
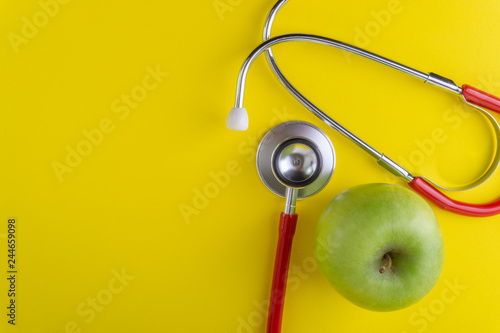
[119, 210]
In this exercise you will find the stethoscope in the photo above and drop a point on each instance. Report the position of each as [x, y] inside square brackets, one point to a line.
[296, 159]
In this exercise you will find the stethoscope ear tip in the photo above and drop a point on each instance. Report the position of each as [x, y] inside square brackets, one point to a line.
[237, 119]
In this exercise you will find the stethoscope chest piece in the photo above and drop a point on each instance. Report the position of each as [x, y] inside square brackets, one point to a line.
[298, 155]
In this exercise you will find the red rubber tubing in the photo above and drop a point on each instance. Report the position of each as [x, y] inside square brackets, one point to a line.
[425, 189]
[288, 223]
[481, 98]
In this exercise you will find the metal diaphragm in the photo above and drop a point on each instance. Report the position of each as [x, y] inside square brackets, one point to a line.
[295, 154]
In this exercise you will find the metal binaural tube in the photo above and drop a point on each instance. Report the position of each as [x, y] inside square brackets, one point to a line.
[291, 199]
[318, 40]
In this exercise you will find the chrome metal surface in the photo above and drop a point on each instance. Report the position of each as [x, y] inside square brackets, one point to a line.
[291, 199]
[297, 163]
[394, 168]
[273, 144]
[444, 83]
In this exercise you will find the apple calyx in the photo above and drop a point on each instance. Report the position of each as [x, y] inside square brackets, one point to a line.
[384, 269]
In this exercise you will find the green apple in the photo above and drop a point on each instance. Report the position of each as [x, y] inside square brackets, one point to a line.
[380, 246]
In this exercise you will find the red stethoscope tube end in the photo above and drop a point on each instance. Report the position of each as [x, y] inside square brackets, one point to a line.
[428, 191]
[481, 98]
[288, 223]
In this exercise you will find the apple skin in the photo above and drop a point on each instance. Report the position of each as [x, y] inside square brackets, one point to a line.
[362, 224]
